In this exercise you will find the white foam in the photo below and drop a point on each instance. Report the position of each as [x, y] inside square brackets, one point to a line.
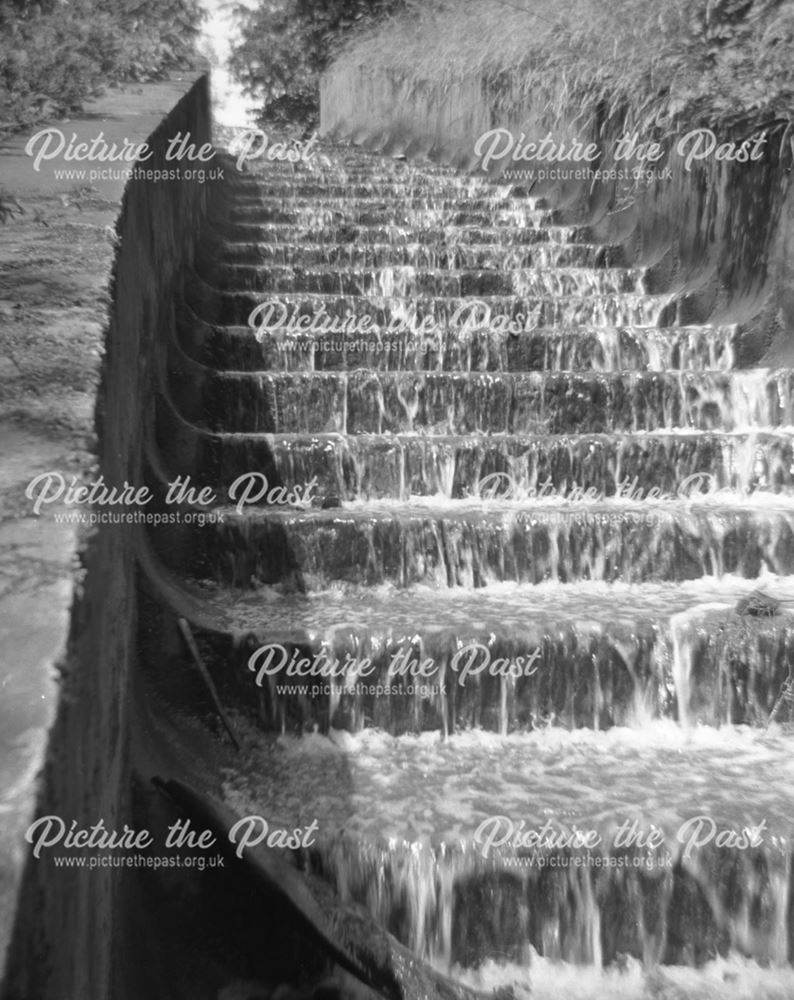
[731, 978]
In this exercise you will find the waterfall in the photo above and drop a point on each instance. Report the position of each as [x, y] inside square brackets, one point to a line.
[512, 598]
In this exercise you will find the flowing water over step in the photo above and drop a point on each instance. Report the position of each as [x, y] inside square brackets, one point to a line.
[488, 577]
[415, 801]
[481, 349]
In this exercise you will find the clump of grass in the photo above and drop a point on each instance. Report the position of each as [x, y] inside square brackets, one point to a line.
[9, 207]
[665, 63]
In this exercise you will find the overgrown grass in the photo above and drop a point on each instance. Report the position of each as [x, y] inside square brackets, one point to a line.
[666, 62]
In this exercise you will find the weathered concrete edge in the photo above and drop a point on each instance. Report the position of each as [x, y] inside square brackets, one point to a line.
[63, 942]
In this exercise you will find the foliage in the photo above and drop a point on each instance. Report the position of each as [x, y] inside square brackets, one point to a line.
[56, 53]
[285, 44]
[670, 61]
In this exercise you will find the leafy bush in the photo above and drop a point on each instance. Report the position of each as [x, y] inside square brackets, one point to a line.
[671, 61]
[287, 43]
[55, 54]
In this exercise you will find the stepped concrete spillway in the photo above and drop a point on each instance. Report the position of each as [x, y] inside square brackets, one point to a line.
[462, 504]
[511, 509]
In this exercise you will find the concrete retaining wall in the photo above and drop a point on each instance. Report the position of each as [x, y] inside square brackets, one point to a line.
[66, 942]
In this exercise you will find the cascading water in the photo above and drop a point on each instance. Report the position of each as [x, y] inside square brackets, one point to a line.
[483, 627]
